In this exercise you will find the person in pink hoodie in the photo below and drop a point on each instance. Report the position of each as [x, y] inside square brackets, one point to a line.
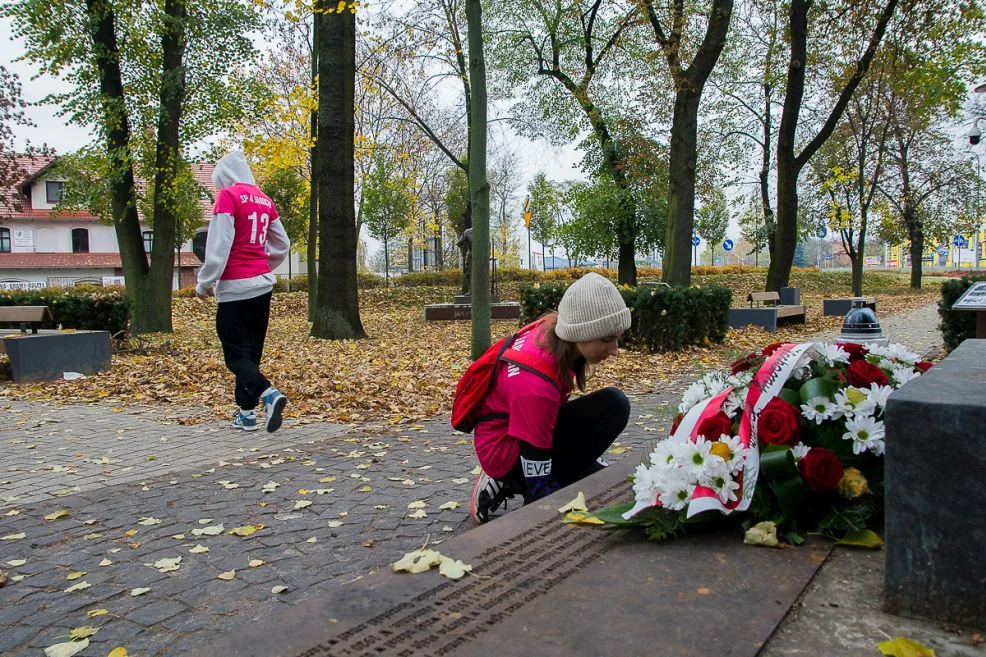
[245, 243]
[532, 439]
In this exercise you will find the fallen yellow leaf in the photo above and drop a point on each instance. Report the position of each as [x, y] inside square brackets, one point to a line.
[904, 647]
[578, 504]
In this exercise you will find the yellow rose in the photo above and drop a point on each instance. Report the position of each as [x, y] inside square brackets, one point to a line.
[853, 484]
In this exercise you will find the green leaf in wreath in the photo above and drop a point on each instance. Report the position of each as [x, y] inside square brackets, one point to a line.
[865, 538]
[816, 388]
[613, 515]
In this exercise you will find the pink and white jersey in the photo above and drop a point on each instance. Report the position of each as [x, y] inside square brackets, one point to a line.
[252, 212]
[531, 405]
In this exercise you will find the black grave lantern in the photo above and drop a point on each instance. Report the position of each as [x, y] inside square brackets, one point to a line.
[861, 325]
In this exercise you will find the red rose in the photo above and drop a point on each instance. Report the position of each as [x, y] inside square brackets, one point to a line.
[677, 420]
[821, 469]
[715, 426]
[855, 351]
[771, 348]
[862, 373]
[778, 423]
[743, 364]
[922, 365]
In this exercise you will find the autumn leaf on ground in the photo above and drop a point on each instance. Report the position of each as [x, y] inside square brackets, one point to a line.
[75, 574]
[139, 591]
[865, 538]
[763, 533]
[450, 505]
[453, 568]
[81, 586]
[582, 518]
[13, 537]
[117, 652]
[420, 513]
[227, 576]
[198, 549]
[334, 523]
[904, 647]
[213, 530]
[16, 562]
[97, 612]
[418, 504]
[578, 504]
[168, 565]
[278, 589]
[66, 649]
[423, 559]
[245, 530]
[82, 632]
[57, 515]
[148, 521]
[256, 563]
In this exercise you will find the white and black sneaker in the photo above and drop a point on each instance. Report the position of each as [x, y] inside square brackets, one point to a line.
[488, 495]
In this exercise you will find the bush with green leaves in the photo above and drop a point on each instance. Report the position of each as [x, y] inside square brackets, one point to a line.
[86, 308]
[956, 325]
[663, 318]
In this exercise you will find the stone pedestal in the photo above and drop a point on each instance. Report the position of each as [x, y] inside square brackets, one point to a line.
[47, 354]
[935, 464]
[452, 311]
[839, 307]
[790, 296]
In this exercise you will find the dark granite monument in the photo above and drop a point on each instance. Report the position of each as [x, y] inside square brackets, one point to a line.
[935, 467]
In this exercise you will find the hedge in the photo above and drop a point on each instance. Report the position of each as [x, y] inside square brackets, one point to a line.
[956, 325]
[662, 318]
[86, 308]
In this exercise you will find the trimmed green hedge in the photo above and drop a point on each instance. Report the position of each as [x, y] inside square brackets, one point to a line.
[956, 325]
[663, 318]
[84, 308]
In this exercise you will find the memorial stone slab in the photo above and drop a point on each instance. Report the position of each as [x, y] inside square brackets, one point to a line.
[934, 469]
[48, 354]
[455, 311]
[543, 587]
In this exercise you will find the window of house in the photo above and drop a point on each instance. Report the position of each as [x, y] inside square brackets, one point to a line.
[4, 240]
[53, 190]
[148, 240]
[80, 240]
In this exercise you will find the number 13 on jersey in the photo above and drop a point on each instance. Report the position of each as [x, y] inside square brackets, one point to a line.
[264, 222]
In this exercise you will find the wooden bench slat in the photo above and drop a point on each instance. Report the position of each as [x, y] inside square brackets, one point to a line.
[25, 314]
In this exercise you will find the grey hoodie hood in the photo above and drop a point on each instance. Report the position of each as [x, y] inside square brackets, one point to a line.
[232, 169]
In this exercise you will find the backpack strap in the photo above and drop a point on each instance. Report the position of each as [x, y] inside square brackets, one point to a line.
[533, 364]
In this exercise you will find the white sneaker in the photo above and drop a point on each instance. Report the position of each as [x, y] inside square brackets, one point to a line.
[487, 496]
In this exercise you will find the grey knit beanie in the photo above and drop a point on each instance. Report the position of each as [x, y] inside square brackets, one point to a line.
[591, 308]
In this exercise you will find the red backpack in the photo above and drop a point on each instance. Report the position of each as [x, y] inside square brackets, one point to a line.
[477, 380]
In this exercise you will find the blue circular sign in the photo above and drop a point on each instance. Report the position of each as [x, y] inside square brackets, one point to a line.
[695, 240]
[728, 245]
[960, 241]
[822, 232]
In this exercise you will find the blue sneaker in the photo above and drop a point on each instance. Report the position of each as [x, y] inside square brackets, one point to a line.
[246, 420]
[274, 403]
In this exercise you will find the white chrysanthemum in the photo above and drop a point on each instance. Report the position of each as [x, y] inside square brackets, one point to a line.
[694, 456]
[740, 380]
[663, 453]
[895, 352]
[866, 434]
[880, 394]
[800, 451]
[727, 490]
[693, 395]
[852, 401]
[677, 496]
[817, 409]
[647, 484]
[738, 454]
[713, 469]
[901, 374]
[734, 402]
[830, 354]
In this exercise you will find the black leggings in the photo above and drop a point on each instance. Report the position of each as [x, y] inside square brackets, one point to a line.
[242, 329]
[585, 429]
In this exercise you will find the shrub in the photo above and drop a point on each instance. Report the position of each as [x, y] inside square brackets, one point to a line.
[956, 325]
[298, 283]
[86, 308]
[663, 318]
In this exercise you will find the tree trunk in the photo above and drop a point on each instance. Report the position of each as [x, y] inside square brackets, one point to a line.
[157, 292]
[479, 188]
[336, 314]
[681, 199]
[386, 262]
[123, 203]
[312, 254]
[410, 254]
[916, 233]
[788, 166]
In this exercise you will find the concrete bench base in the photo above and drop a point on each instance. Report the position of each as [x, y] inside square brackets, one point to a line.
[542, 587]
[842, 306]
[766, 317]
[46, 355]
[453, 311]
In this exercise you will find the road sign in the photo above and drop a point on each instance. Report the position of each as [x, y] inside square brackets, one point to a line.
[728, 245]
[960, 241]
[828, 257]
[822, 232]
[527, 219]
[695, 240]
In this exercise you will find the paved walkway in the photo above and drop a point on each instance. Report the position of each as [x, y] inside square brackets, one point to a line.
[87, 490]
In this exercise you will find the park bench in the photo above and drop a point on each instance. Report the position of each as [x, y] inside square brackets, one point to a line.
[25, 317]
[47, 354]
[766, 311]
[841, 306]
